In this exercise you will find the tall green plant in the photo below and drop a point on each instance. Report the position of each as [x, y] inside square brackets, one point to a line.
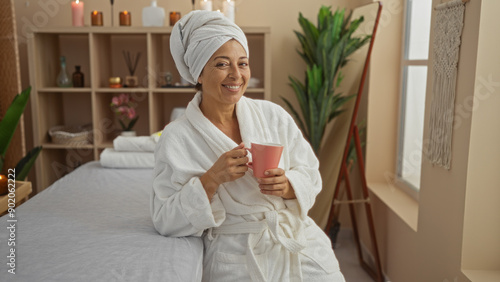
[325, 49]
[8, 126]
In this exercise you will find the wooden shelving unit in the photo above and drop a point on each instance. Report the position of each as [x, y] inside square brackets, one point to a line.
[98, 50]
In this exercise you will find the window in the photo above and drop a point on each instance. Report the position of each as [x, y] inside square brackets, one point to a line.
[414, 77]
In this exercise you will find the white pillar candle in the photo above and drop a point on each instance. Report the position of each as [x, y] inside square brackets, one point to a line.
[77, 13]
[206, 5]
[228, 9]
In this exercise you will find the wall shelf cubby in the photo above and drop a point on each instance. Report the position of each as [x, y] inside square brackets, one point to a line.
[99, 51]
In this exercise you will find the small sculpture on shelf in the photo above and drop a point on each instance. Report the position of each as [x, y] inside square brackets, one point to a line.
[167, 79]
[131, 80]
[124, 108]
[153, 15]
[184, 83]
[78, 78]
[115, 82]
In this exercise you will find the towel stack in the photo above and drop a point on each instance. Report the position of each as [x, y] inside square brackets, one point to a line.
[130, 152]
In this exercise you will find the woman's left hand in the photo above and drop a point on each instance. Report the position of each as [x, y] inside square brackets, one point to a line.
[276, 184]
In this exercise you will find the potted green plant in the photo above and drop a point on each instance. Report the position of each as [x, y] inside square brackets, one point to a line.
[325, 49]
[8, 126]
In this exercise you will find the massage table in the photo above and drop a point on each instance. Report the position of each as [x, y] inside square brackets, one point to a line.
[94, 224]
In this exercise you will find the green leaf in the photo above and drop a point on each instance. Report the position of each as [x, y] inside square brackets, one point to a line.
[11, 119]
[335, 59]
[295, 114]
[132, 123]
[352, 152]
[339, 101]
[315, 142]
[300, 93]
[340, 77]
[347, 21]
[313, 82]
[324, 110]
[337, 25]
[354, 45]
[310, 37]
[23, 167]
[353, 26]
[323, 17]
[306, 53]
[124, 127]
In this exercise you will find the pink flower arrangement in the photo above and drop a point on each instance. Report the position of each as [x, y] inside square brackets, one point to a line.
[124, 107]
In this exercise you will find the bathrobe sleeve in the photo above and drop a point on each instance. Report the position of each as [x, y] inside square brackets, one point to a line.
[179, 204]
[303, 165]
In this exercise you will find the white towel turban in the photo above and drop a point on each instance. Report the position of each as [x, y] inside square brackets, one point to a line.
[197, 36]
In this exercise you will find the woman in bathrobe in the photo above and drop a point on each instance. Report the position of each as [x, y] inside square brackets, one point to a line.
[253, 229]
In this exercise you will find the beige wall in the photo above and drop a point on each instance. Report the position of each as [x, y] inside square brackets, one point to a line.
[458, 223]
[481, 246]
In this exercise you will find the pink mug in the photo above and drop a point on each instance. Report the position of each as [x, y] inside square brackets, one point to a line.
[264, 156]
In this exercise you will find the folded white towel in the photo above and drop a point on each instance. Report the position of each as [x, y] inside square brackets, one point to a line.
[177, 112]
[156, 136]
[111, 158]
[134, 144]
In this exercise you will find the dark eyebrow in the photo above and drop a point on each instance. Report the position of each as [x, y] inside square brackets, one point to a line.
[227, 58]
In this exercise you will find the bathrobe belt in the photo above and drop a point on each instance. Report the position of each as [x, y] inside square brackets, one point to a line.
[256, 229]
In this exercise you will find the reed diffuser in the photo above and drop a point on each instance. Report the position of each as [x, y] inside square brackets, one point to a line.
[131, 61]
[112, 3]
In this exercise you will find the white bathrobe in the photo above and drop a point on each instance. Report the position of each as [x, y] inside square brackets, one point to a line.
[248, 236]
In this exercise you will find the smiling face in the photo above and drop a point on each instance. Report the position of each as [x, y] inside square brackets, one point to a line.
[225, 77]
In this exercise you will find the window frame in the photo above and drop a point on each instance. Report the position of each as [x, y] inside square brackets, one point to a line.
[399, 181]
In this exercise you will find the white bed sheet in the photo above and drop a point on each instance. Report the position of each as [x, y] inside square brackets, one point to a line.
[94, 224]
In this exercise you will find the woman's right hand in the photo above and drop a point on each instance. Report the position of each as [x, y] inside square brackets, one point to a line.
[230, 166]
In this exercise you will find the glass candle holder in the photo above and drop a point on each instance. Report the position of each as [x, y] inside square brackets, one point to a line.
[125, 18]
[3, 184]
[174, 17]
[96, 18]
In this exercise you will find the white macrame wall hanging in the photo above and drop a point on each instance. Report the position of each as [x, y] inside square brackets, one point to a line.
[446, 49]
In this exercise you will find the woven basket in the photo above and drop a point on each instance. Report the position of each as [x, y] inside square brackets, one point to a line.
[74, 135]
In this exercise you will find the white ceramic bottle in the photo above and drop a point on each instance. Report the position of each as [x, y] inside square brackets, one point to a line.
[153, 15]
